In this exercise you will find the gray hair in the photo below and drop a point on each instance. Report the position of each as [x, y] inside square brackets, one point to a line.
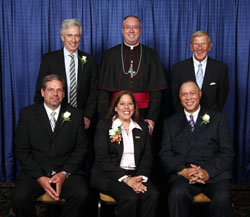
[199, 34]
[69, 22]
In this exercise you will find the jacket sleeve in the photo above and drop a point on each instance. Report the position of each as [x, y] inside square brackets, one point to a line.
[222, 158]
[170, 162]
[145, 165]
[108, 161]
[90, 105]
[22, 149]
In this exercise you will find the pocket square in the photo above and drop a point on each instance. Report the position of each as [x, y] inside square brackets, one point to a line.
[213, 83]
[137, 137]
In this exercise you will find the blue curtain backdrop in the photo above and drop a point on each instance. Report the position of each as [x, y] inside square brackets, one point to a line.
[30, 28]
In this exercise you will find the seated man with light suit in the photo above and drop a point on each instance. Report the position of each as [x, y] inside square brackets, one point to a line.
[196, 152]
[210, 75]
[50, 146]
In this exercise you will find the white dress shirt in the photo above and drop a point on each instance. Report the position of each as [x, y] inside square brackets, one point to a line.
[67, 60]
[195, 114]
[49, 111]
[203, 63]
[128, 157]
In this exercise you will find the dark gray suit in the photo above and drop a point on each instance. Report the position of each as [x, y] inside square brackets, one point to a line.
[106, 171]
[215, 85]
[53, 63]
[41, 151]
[208, 146]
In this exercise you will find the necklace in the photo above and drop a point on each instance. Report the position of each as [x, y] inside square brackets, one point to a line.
[131, 71]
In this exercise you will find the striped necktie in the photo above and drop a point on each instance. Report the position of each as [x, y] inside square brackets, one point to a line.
[199, 76]
[52, 120]
[73, 96]
[191, 122]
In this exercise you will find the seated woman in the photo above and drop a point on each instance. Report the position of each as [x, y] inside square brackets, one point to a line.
[123, 159]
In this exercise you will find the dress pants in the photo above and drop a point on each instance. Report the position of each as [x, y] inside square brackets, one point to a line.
[74, 191]
[131, 204]
[181, 195]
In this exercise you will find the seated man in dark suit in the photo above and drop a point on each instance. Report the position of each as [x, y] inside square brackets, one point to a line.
[50, 146]
[210, 75]
[196, 152]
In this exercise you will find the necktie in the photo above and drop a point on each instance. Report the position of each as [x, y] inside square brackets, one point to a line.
[191, 122]
[199, 76]
[73, 96]
[52, 120]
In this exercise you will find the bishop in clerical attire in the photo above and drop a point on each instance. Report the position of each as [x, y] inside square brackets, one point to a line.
[135, 67]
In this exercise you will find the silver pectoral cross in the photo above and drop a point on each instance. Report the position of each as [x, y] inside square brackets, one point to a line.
[131, 71]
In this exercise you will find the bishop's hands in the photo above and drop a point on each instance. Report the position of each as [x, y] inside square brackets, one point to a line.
[53, 185]
[136, 183]
[195, 174]
[151, 125]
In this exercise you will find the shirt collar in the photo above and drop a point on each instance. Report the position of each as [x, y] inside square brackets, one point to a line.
[67, 53]
[48, 110]
[202, 62]
[117, 122]
[195, 114]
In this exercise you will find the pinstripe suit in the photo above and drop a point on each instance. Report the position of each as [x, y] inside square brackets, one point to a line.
[208, 146]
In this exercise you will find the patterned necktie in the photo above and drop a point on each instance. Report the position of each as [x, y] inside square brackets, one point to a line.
[53, 120]
[191, 122]
[199, 76]
[73, 96]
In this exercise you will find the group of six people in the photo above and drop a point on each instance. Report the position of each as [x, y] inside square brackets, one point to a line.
[124, 95]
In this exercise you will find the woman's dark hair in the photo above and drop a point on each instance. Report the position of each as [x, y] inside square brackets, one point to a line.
[112, 112]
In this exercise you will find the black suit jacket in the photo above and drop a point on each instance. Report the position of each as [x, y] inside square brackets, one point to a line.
[208, 146]
[215, 85]
[40, 151]
[109, 154]
[53, 63]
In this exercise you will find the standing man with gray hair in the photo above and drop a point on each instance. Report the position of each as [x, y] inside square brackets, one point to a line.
[77, 68]
[210, 75]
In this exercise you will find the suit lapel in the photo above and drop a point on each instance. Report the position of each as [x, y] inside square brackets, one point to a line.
[80, 71]
[60, 122]
[44, 119]
[198, 124]
[137, 136]
[190, 70]
[208, 75]
[61, 65]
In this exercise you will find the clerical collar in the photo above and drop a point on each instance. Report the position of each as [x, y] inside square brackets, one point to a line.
[195, 114]
[131, 47]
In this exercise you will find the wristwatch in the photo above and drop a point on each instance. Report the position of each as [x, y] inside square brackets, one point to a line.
[66, 174]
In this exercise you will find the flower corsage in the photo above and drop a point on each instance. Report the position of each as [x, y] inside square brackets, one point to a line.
[205, 119]
[83, 60]
[115, 134]
[66, 116]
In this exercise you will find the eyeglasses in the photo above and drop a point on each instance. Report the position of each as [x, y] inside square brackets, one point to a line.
[127, 28]
[53, 91]
[196, 45]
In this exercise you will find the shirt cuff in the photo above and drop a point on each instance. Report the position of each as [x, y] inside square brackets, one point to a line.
[123, 177]
[144, 178]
